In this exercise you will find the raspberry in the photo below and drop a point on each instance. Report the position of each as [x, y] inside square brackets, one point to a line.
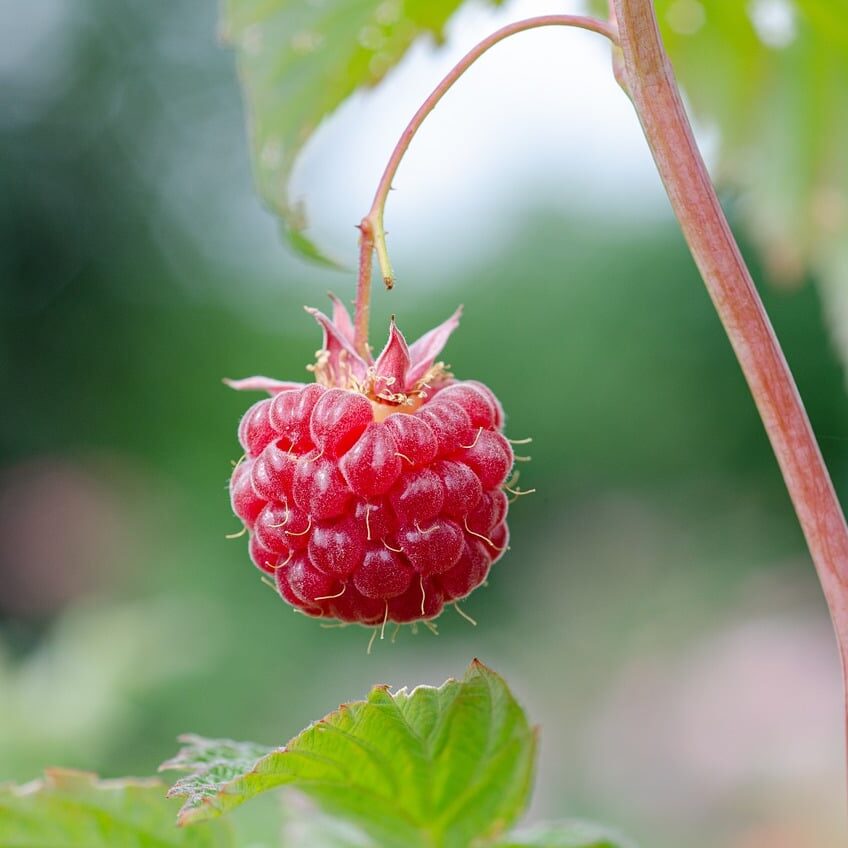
[372, 465]
[375, 493]
[319, 488]
[338, 548]
[418, 496]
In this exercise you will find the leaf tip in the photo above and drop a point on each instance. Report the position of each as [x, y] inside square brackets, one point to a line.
[293, 231]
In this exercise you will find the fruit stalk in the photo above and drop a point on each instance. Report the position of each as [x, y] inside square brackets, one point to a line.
[643, 68]
[362, 309]
[373, 234]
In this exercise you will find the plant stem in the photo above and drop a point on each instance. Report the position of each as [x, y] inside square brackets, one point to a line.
[362, 310]
[373, 234]
[647, 76]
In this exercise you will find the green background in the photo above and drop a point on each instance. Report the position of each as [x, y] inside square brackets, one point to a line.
[658, 566]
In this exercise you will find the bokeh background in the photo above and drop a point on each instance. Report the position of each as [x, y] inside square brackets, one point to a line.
[658, 613]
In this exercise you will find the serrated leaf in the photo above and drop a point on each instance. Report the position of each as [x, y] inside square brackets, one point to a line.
[71, 809]
[300, 59]
[568, 834]
[431, 767]
[212, 763]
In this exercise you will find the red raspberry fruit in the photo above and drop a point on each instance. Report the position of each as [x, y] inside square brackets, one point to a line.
[375, 493]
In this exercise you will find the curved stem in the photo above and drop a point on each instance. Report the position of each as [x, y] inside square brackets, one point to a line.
[373, 234]
[645, 72]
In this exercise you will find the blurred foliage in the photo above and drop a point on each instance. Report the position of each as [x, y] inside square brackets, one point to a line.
[74, 810]
[771, 78]
[567, 835]
[74, 697]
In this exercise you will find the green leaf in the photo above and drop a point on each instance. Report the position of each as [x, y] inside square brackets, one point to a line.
[568, 834]
[778, 97]
[300, 60]
[213, 762]
[71, 809]
[431, 767]
[780, 109]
